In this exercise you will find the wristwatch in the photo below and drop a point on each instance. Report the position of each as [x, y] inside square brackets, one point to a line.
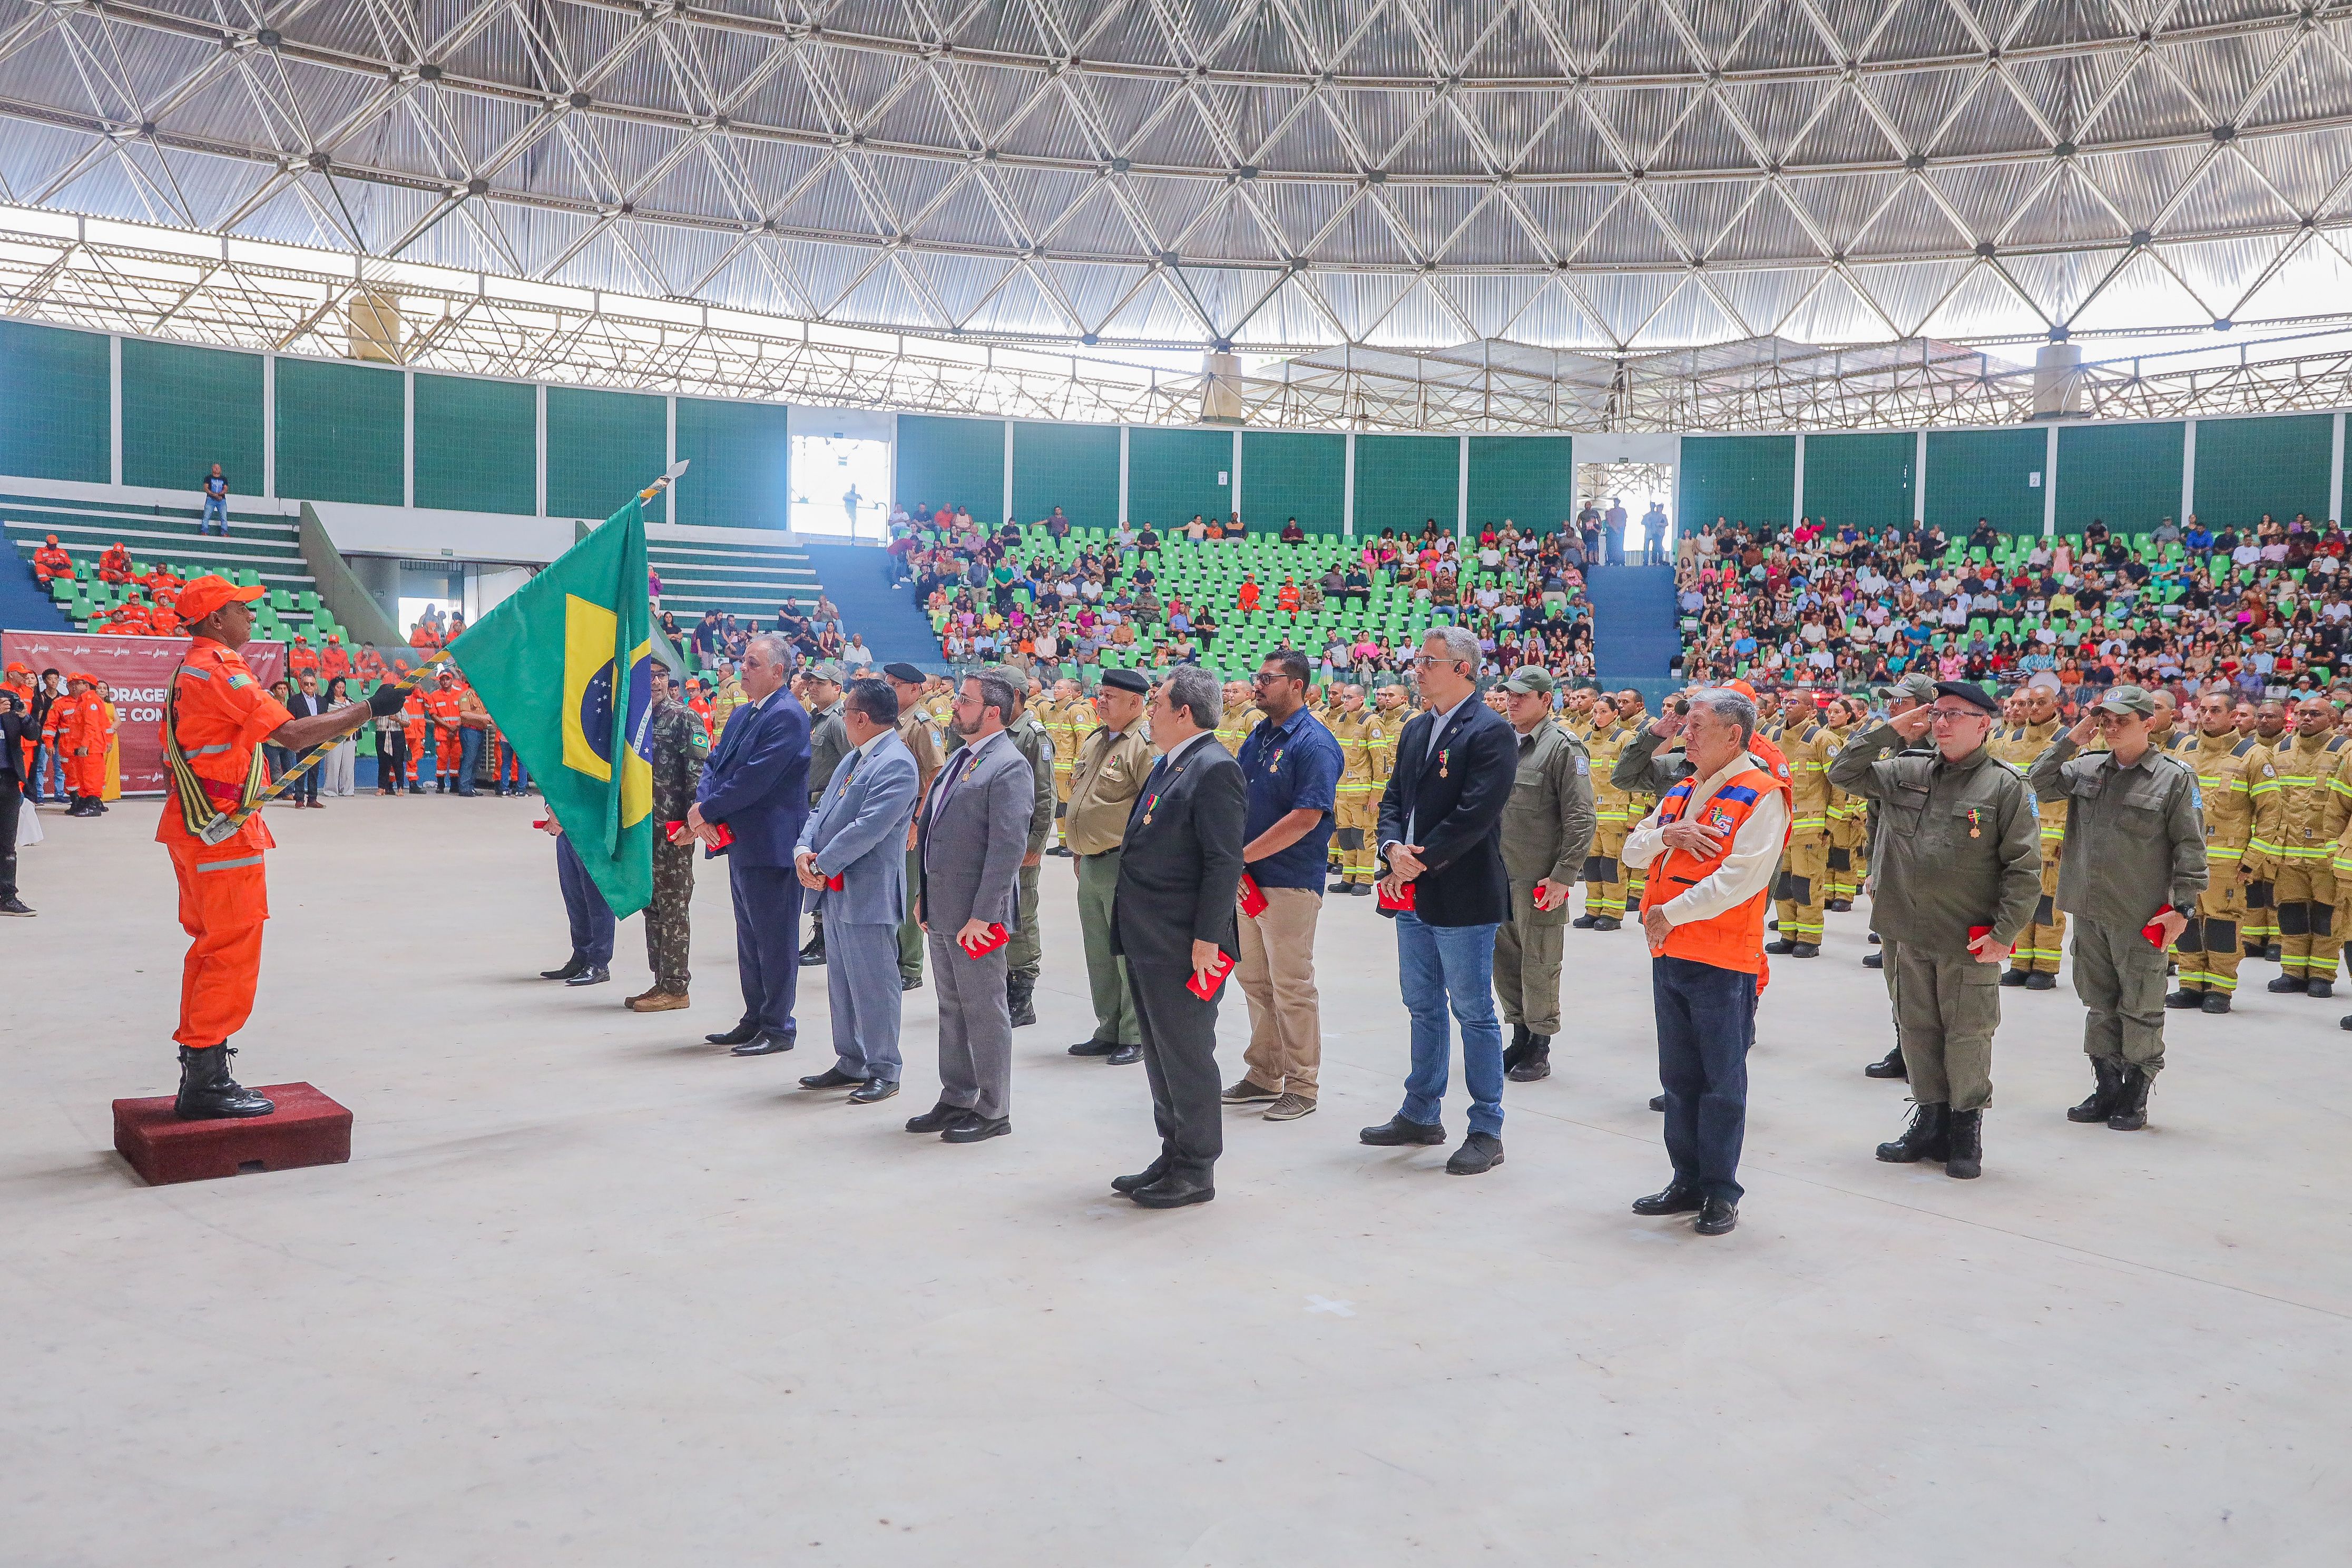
[2184, 910]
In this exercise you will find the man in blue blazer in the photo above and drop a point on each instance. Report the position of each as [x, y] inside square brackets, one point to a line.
[756, 786]
[858, 838]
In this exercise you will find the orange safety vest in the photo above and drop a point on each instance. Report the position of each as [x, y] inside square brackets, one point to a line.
[1734, 938]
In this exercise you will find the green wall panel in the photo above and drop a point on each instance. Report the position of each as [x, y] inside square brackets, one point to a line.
[1287, 474]
[1530, 479]
[184, 409]
[1746, 479]
[951, 460]
[741, 458]
[1171, 474]
[1074, 466]
[340, 433]
[1403, 481]
[1864, 480]
[2249, 467]
[476, 445]
[601, 448]
[2128, 474]
[58, 424]
[1987, 474]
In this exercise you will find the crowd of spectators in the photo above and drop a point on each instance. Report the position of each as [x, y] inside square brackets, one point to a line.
[2266, 609]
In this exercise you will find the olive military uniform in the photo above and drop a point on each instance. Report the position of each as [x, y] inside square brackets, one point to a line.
[679, 747]
[1107, 777]
[914, 729]
[1958, 846]
[1547, 828]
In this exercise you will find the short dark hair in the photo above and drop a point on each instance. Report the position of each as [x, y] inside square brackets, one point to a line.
[875, 698]
[997, 692]
[1291, 662]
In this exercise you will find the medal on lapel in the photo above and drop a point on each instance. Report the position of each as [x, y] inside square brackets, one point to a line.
[1275, 767]
[1974, 831]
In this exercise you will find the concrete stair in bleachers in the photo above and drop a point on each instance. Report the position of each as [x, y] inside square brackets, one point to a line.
[858, 580]
[748, 578]
[1636, 630]
[264, 545]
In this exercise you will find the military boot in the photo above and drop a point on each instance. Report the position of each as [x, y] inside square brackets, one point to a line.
[1964, 1157]
[1535, 1063]
[2109, 1071]
[1517, 1051]
[2129, 1113]
[208, 1093]
[1890, 1066]
[1020, 994]
[1927, 1138]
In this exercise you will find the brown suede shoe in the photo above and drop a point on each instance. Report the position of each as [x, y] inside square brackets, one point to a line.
[658, 1000]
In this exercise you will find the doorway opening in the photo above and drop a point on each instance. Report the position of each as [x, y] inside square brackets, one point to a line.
[1646, 492]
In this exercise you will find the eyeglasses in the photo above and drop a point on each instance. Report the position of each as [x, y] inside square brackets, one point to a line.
[1954, 715]
[1426, 658]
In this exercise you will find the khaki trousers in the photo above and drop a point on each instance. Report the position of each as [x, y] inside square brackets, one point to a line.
[1022, 954]
[1115, 1021]
[2209, 949]
[2119, 975]
[2041, 944]
[1277, 973]
[911, 933]
[1946, 1012]
[2308, 937]
[1526, 963]
[1803, 890]
[1604, 873]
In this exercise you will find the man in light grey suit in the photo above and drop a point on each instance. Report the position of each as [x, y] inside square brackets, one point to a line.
[851, 860]
[970, 841]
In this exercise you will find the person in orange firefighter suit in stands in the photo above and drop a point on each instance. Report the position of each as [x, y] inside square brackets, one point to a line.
[49, 561]
[218, 719]
[114, 566]
[75, 729]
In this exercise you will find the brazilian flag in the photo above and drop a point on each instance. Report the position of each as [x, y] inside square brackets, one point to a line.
[565, 666]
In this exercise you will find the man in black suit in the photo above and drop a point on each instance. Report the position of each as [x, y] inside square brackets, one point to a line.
[1173, 917]
[14, 731]
[306, 704]
[1441, 838]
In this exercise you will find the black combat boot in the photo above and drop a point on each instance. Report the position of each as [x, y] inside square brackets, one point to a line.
[2286, 983]
[812, 955]
[208, 1093]
[1516, 1052]
[1965, 1156]
[2110, 1073]
[1779, 947]
[1019, 999]
[1536, 1063]
[2129, 1113]
[2185, 999]
[1927, 1138]
[1889, 1066]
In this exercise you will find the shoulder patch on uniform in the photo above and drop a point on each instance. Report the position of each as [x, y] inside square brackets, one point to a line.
[2242, 747]
[1583, 767]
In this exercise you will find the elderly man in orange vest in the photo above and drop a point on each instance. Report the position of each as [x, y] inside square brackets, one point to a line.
[217, 719]
[1714, 842]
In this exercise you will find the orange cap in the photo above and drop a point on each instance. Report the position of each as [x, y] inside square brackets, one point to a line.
[209, 593]
[1742, 688]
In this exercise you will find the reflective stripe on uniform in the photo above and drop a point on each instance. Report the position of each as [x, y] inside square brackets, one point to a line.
[192, 669]
[229, 865]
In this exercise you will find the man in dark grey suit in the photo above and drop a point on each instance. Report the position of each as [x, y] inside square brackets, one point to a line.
[1173, 917]
[970, 838]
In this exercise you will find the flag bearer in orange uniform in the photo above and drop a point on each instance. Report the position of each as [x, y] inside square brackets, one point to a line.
[216, 721]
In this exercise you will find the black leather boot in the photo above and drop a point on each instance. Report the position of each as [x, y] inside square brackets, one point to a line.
[1964, 1154]
[1019, 999]
[1516, 1052]
[1927, 1138]
[813, 955]
[208, 1093]
[1535, 1063]
[2129, 1113]
[1889, 1066]
[2110, 1073]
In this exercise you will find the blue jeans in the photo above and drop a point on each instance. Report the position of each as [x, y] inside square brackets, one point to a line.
[469, 757]
[49, 766]
[1442, 969]
[215, 510]
[1706, 1021]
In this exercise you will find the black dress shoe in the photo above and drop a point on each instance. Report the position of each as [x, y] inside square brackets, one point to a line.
[910, 983]
[1170, 1193]
[1125, 1055]
[734, 1037]
[872, 1091]
[596, 976]
[972, 1126]
[1657, 1102]
[1480, 1153]
[1675, 1199]
[1094, 1048]
[938, 1119]
[1719, 1217]
[833, 1077]
[1876, 938]
[767, 1043]
[1143, 1178]
[1399, 1132]
[567, 972]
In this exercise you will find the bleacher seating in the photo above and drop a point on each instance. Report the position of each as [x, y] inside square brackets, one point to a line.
[259, 549]
[746, 579]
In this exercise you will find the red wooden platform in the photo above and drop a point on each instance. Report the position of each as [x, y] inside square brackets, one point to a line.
[307, 1129]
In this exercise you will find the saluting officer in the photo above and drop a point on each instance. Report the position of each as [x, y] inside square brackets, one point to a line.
[1957, 871]
[2134, 860]
[1547, 828]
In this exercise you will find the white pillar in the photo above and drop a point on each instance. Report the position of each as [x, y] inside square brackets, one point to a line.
[2050, 485]
[269, 427]
[669, 459]
[114, 409]
[1347, 479]
[1798, 502]
[1462, 487]
[2188, 471]
[1008, 471]
[1123, 516]
[2335, 472]
[408, 437]
[539, 443]
[1919, 480]
[1237, 475]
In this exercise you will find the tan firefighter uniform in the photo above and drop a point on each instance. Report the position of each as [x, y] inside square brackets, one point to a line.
[1801, 891]
[1354, 857]
[2314, 787]
[1614, 812]
[2042, 943]
[2241, 810]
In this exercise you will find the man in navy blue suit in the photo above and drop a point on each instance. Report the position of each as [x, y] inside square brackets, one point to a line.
[756, 786]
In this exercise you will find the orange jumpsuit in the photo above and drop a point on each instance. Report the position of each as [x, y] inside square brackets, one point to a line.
[422, 639]
[445, 707]
[221, 715]
[412, 715]
[49, 561]
[114, 566]
[77, 730]
[334, 661]
[302, 659]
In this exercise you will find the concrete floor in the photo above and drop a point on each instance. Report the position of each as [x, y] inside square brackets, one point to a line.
[591, 1291]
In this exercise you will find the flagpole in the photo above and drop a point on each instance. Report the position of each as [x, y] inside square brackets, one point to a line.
[225, 827]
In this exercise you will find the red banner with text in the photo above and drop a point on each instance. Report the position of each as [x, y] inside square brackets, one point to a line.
[138, 676]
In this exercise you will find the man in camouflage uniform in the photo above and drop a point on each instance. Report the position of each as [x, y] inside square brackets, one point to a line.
[677, 746]
[2033, 961]
[1360, 734]
[2242, 816]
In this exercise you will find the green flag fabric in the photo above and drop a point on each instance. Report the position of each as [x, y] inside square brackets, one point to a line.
[565, 665]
